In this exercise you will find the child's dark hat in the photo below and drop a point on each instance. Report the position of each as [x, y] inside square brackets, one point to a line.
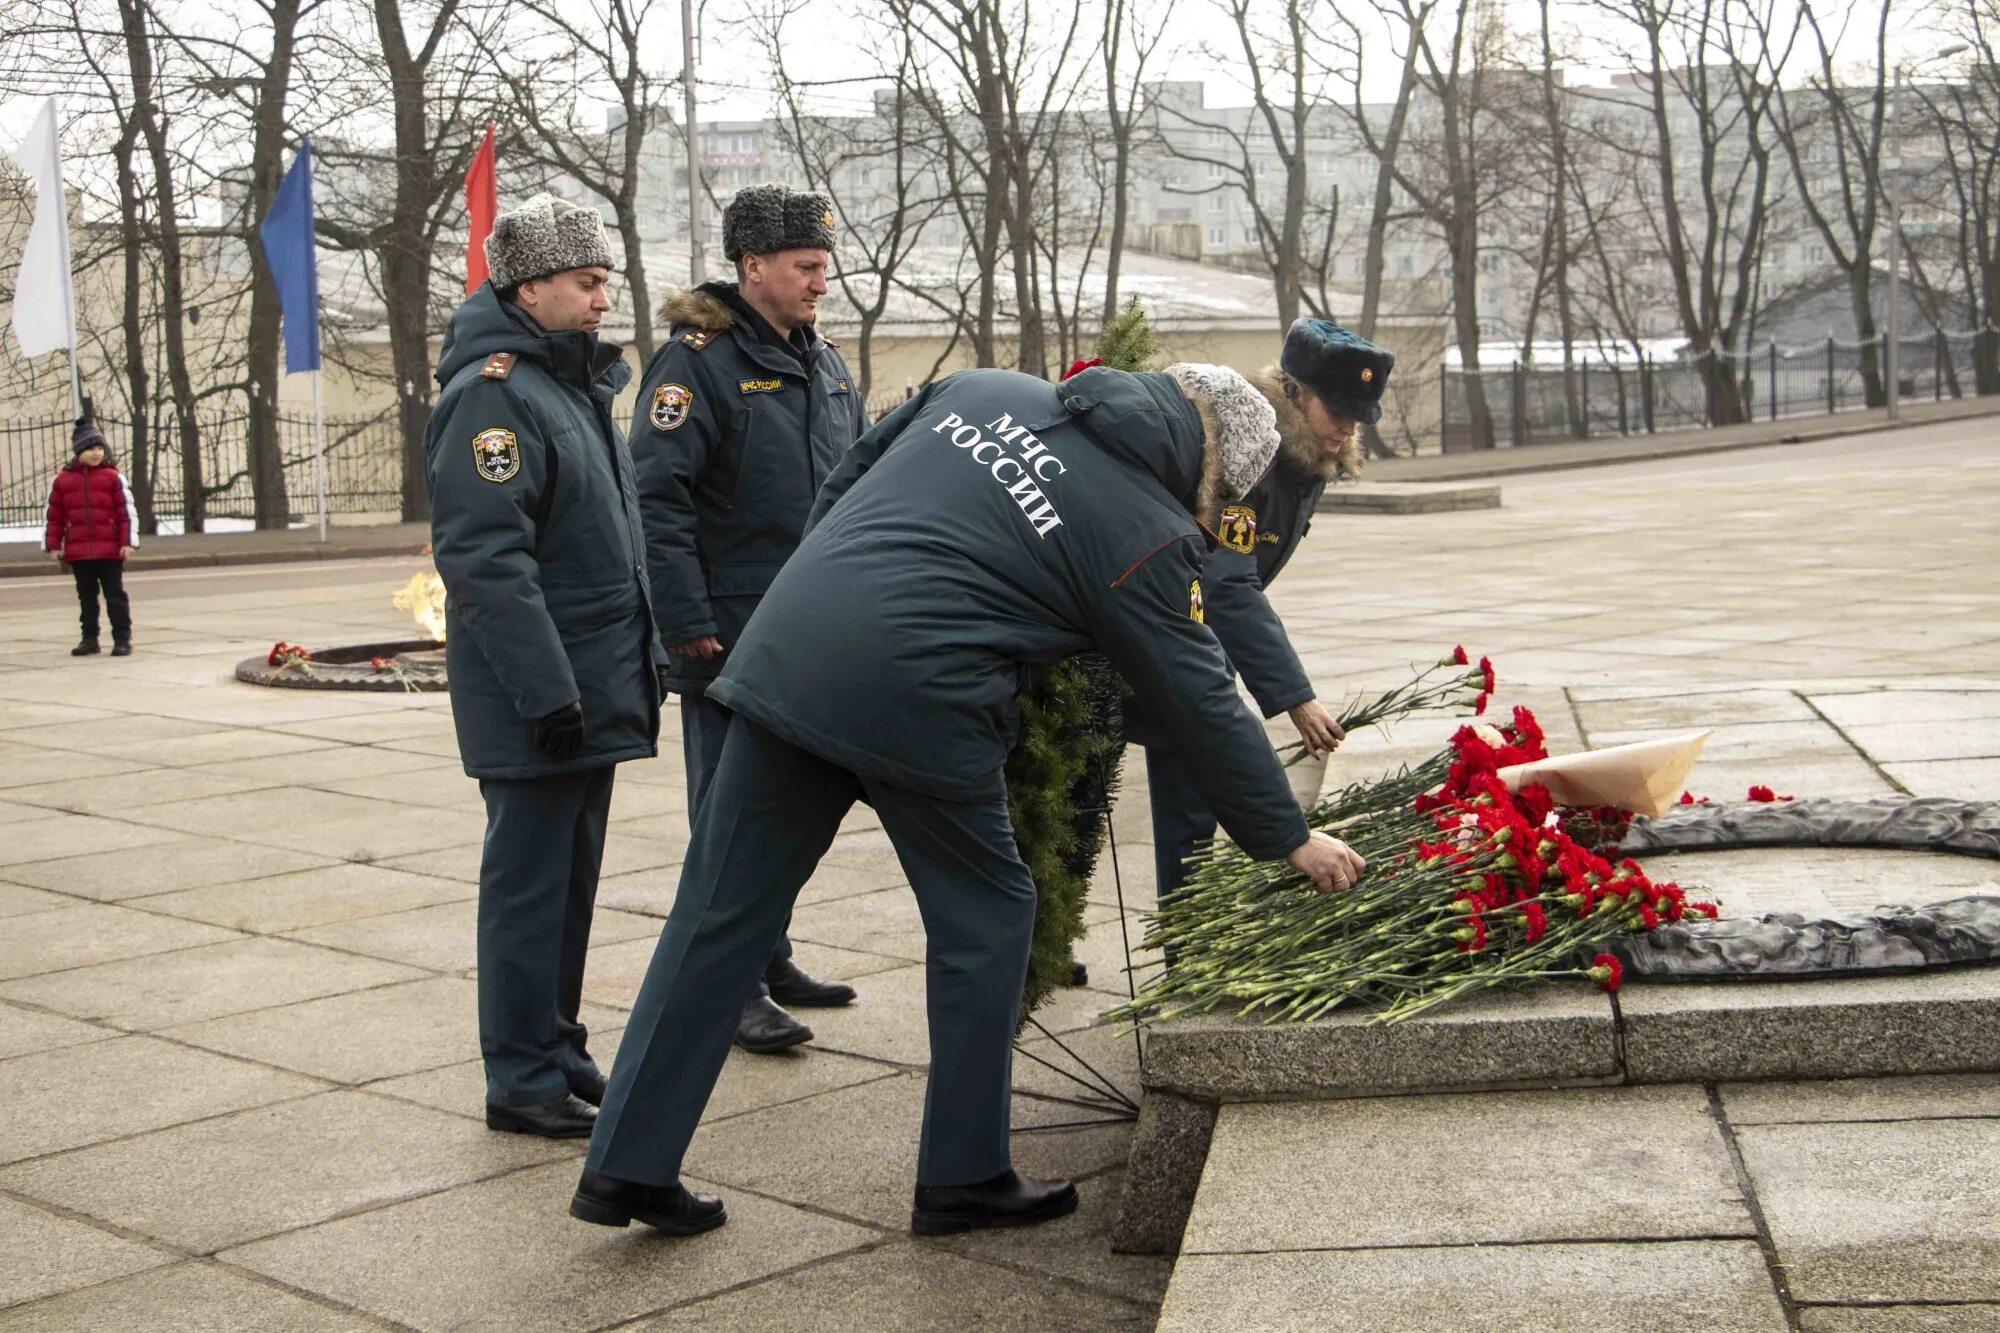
[86, 436]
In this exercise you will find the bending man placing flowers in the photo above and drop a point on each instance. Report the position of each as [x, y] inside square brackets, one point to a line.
[991, 524]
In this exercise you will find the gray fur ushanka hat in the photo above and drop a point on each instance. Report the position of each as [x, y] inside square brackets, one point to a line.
[543, 236]
[763, 219]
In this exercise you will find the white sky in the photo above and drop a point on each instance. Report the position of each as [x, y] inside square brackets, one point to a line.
[735, 78]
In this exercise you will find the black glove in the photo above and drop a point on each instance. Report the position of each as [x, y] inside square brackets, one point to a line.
[665, 679]
[558, 737]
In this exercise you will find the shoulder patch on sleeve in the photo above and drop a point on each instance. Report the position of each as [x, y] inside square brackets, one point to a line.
[670, 406]
[496, 454]
[498, 366]
[698, 338]
[1236, 528]
[1197, 609]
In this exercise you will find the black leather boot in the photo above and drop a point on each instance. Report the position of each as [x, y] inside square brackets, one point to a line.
[121, 647]
[766, 1029]
[562, 1117]
[790, 984]
[674, 1209]
[1008, 1200]
[88, 648]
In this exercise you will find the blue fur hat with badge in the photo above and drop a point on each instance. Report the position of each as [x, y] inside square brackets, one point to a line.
[1342, 368]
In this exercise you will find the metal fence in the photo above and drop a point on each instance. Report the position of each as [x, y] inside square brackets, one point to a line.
[363, 466]
[1540, 404]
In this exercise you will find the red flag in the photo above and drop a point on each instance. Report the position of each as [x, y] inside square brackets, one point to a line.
[482, 201]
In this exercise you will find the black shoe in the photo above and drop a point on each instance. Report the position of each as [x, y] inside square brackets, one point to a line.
[588, 1087]
[791, 985]
[766, 1029]
[88, 648]
[671, 1208]
[1008, 1200]
[121, 648]
[562, 1117]
[1079, 975]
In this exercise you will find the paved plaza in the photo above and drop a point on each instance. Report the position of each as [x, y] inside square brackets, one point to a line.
[237, 1032]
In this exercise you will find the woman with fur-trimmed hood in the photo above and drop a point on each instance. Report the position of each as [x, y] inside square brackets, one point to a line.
[1327, 381]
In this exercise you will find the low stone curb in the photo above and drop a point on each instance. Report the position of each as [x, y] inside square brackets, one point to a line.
[1415, 497]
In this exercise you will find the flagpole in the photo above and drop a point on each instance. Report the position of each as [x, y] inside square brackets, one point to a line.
[319, 406]
[69, 276]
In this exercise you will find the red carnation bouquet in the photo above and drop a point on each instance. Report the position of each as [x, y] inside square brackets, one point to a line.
[1469, 885]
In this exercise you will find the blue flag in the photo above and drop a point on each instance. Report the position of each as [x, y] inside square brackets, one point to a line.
[287, 234]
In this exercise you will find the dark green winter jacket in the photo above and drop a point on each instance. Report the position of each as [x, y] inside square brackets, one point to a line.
[733, 435]
[992, 524]
[535, 530]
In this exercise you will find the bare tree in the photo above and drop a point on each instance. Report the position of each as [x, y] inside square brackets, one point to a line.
[1124, 47]
[879, 171]
[1287, 91]
[1832, 135]
[603, 36]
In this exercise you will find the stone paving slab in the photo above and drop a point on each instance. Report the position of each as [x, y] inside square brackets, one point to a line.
[427, 1262]
[1882, 1212]
[1713, 1286]
[1610, 1163]
[906, 1288]
[308, 898]
[234, 1178]
[108, 1089]
[25, 1030]
[145, 994]
[360, 1036]
[1901, 1319]
[1918, 1098]
[47, 1254]
[870, 1172]
[87, 933]
[200, 1296]
[16, 900]
[183, 863]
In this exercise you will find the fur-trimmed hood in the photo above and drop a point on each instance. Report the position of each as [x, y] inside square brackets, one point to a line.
[696, 308]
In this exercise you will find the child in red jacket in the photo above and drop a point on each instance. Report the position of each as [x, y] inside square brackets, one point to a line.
[93, 526]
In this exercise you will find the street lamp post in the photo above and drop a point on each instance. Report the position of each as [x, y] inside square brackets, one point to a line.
[1893, 169]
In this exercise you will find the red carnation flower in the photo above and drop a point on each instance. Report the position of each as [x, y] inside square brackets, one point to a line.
[1479, 704]
[1458, 656]
[1762, 793]
[1537, 919]
[1474, 939]
[1606, 971]
[1076, 367]
[1709, 910]
[379, 663]
[1486, 674]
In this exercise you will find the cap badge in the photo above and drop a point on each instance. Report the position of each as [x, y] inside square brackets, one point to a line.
[1367, 374]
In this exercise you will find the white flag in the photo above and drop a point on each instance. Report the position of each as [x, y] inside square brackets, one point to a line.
[44, 316]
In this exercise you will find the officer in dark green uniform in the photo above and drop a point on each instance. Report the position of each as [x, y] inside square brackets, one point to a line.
[550, 646]
[993, 523]
[1326, 381]
[743, 413]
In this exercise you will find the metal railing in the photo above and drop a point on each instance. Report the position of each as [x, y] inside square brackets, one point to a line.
[1535, 403]
[363, 466]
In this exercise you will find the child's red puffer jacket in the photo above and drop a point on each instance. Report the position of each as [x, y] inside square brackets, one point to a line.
[91, 513]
